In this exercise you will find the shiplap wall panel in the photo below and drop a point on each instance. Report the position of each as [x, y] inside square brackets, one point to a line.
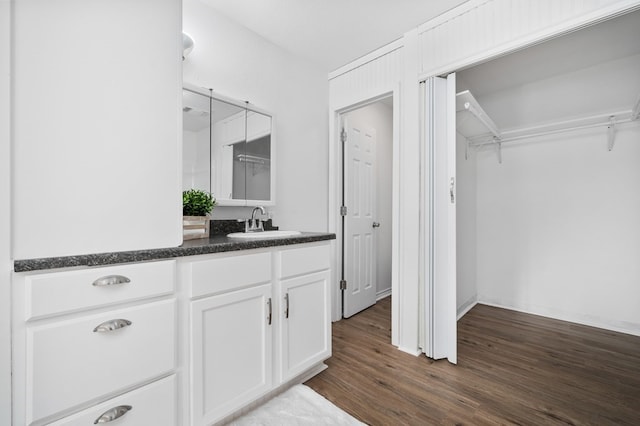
[479, 27]
[366, 81]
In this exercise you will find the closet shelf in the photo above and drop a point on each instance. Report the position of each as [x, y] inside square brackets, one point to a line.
[481, 130]
[476, 122]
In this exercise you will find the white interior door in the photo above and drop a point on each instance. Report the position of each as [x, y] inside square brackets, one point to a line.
[359, 232]
[439, 164]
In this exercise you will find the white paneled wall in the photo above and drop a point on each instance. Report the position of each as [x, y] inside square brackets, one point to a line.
[483, 28]
[370, 79]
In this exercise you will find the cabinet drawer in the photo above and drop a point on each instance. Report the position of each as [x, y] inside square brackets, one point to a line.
[68, 363]
[229, 273]
[68, 291]
[304, 260]
[154, 404]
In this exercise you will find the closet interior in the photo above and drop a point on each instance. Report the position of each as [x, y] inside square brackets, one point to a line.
[548, 172]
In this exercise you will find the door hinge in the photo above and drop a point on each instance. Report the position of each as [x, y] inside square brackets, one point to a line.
[343, 136]
[343, 284]
[343, 210]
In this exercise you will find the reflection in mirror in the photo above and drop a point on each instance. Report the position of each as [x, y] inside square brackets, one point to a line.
[227, 131]
[228, 149]
[256, 158]
[195, 141]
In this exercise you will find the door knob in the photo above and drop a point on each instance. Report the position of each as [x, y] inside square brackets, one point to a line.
[376, 224]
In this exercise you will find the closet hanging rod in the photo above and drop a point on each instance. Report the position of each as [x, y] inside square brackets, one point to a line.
[255, 159]
[550, 132]
[566, 127]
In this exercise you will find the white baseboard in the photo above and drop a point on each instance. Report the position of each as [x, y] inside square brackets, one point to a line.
[588, 320]
[382, 294]
[466, 307]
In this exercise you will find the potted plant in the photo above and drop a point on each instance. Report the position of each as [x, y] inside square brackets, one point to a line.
[197, 206]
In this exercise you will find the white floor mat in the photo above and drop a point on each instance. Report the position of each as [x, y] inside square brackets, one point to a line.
[297, 406]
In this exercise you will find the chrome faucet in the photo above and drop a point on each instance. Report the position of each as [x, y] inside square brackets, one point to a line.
[253, 224]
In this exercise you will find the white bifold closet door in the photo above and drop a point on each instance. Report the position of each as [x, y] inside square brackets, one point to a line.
[438, 219]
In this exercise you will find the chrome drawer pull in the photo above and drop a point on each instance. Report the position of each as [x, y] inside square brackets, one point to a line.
[112, 414]
[112, 325]
[270, 314]
[111, 280]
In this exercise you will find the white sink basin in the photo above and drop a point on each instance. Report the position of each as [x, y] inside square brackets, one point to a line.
[262, 235]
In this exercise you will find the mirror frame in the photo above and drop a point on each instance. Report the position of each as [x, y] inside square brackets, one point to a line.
[248, 107]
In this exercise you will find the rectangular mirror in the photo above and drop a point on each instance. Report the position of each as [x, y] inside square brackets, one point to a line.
[257, 158]
[196, 147]
[228, 126]
[227, 149]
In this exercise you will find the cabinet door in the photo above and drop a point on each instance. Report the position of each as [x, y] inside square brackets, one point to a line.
[305, 323]
[231, 361]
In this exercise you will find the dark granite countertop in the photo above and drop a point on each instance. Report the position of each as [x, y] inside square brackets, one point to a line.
[214, 244]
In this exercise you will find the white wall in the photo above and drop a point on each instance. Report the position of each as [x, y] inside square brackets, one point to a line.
[379, 116]
[239, 64]
[96, 126]
[467, 290]
[604, 88]
[558, 229]
[5, 213]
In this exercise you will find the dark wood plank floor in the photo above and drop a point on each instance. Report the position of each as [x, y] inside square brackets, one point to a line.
[513, 368]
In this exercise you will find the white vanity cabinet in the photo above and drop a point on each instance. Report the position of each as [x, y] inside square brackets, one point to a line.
[243, 342]
[305, 325]
[87, 342]
[231, 323]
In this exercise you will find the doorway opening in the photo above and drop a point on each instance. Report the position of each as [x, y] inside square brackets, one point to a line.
[547, 177]
[366, 193]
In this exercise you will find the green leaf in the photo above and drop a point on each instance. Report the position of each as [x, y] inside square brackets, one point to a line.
[196, 202]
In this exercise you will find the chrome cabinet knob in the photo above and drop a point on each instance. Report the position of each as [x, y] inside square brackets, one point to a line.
[376, 224]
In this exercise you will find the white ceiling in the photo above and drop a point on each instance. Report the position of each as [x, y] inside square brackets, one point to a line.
[331, 33]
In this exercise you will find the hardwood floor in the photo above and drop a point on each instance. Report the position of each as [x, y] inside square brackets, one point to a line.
[513, 368]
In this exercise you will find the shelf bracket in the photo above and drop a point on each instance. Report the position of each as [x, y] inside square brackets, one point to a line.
[498, 143]
[611, 132]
